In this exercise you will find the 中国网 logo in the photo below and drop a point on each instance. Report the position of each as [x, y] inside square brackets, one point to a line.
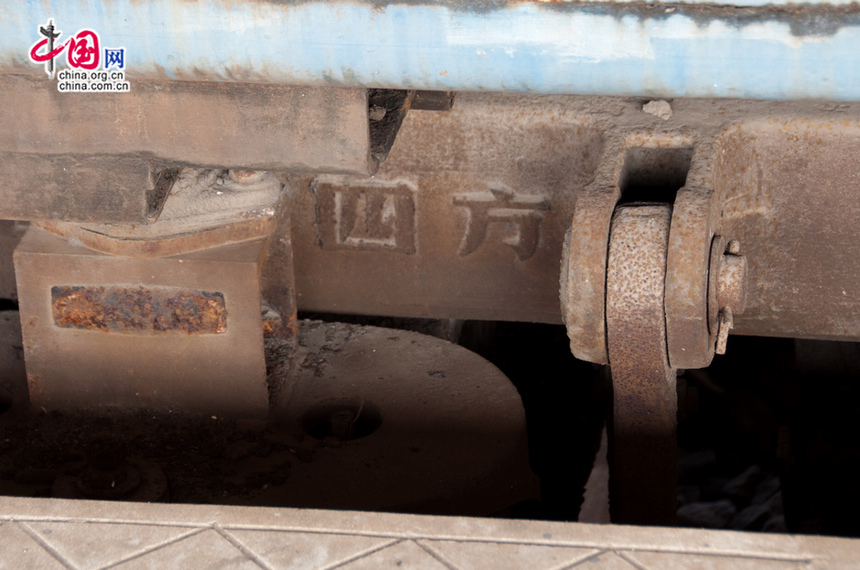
[91, 68]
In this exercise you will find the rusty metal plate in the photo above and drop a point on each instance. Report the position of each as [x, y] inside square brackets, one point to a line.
[103, 337]
[145, 310]
[694, 219]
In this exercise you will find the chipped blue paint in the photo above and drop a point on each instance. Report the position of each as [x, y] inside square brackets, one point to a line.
[513, 47]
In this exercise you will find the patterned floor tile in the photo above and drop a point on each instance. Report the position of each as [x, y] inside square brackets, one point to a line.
[402, 555]
[698, 562]
[93, 545]
[608, 561]
[206, 549]
[20, 552]
[304, 550]
[494, 556]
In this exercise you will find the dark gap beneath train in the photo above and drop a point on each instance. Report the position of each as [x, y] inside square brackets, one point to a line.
[767, 435]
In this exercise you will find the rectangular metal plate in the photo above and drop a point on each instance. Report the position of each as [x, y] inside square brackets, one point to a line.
[145, 310]
[75, 348]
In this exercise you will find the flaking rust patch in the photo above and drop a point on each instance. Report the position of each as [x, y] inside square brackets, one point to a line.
[128, 310]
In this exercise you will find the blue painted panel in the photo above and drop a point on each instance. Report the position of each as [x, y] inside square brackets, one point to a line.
[531, 47]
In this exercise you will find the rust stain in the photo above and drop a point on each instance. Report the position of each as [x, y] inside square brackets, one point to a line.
[139, 309]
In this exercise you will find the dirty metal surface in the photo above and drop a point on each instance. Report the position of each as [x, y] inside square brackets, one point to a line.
[205, 208]
[138, 310]
[643, 477]
[375, 409]
[563, 157]
[10, 234]
[433, 100]
[112, 187]
[630, 162]
[465, 218]
[791, 200]
[77, 319]
[221, 125]
[369, 217]
[386, 109]
[695, 218]
[429, 427]
[620, 48]
[278, 290]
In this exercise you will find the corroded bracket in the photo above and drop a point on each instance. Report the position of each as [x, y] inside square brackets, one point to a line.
[651, 293]
[165, 316]
[643, 457]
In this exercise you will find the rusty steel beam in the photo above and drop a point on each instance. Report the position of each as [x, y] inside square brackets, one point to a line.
[643, 448]
[473, 204]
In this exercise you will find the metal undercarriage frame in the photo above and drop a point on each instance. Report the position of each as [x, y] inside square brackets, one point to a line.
[194, 216]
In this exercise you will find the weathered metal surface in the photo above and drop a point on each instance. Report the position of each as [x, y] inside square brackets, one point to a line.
[394, 398]
[110, 187]
[433, 100]
[278, 290]
[372, 216]
[791, 200]
[10, 235]
[206, 208]
[386, 109]
[625, 48]
[466, 216]
[583, 275]
[731, 284]
[242, 126]
[101, 366]
[237, 232]
[144, 310]
[695, 218]
[643, 477]
[570, 152]
[110, 475]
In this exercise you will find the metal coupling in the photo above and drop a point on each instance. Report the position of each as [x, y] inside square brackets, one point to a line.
[726, 289]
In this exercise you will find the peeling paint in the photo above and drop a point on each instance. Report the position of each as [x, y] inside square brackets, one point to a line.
[773, 51]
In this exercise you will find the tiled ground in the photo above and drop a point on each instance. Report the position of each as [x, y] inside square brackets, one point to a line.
[43, 533]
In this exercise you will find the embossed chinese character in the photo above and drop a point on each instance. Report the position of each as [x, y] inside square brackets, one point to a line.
[502, 207]
[365, 217]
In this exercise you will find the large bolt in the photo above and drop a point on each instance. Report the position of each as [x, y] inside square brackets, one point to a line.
[727, 289]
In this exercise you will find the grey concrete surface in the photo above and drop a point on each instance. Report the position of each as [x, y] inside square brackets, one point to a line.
[50, 533]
